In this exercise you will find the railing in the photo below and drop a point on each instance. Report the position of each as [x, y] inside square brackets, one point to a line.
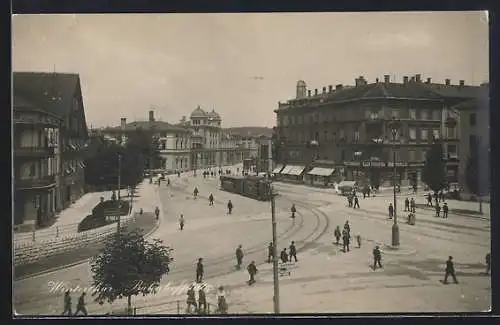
[178, 307]
[59, 241]
[38, 182]
[37, 151]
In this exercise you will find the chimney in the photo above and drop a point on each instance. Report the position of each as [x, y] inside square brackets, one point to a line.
[151, 116]
[316, 92]
[447, 81]
[338, 87]
[330, 88]
[462, 83]
[309, 93]
[123, 122]
[418, 77]
[429, 80]
[324, 90]
[405, 79]
[387, 78]
[357, 82]
[412, 79]
[376, 80]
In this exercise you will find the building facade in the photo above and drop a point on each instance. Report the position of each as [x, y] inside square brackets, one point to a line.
[50, 134]
[350, 127]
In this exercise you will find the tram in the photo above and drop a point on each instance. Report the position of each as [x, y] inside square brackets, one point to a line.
[255, 187]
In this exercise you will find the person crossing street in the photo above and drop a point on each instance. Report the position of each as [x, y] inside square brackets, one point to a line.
[450, 270]
[195, 192]
[239, 257]
[391, 211]
[377, 258]
[181, 222]
[293, 210]
[252, 271]
[337, 235]
[67, 304]
[199, 270]
[293, 251]
[270, 253]
[229, 207]
[211, 199]
[356, 202]
[445, 210]
[412, 205]
[80, 306]
[407, 204]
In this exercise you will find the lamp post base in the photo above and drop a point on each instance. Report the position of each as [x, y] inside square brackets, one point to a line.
[395, 235]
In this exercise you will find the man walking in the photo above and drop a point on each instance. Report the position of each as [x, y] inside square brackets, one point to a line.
[391, 211]
[157, 213]
[293, 209]
[284, 256]
[67, 304]
[356, 202]
[412, 205]
[377, 258]
[239, 257]
[450, 270]
[345, 240]
[211, 199]
[407, 205]
[438, 209]
[429, 199]
[229, 207]
[252, 271]
[488, 263]
[293, 251]
[337, 235]
[199, 270]
[270, 253]
[195, 192]
[191, 299]
[81, 305]
[181, 222]
[445, 210]
[202, 300]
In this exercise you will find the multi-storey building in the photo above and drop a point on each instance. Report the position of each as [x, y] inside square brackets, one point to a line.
[349, 127]
[50, 132]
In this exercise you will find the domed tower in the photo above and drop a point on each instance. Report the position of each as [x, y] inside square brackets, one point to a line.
[197, 115]
[301, 89]
[215, 118]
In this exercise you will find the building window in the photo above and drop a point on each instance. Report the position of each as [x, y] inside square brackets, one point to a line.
[413, 114]
[325, 135]
[472, 119]
[316, 136]
[299, 119]
[412, 133]
[436, 115]
[341, 134]
[435, 133]
[395, 113]
[356, 136]
[472, 143]
[285, 120]
[424, 115]
[32, 170]
[424, 135]
[452, 151]
[411, 155]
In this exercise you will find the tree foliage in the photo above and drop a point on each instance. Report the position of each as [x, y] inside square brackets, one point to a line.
[144, 143]
[434, 171]
[128, 266]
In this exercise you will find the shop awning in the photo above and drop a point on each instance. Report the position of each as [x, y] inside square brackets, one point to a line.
[286, 169]
[321, 171]
[277, 169]
[296, 170]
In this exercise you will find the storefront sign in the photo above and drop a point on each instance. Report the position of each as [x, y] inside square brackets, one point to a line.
[352, 163]
[398, 164]
[415, 164]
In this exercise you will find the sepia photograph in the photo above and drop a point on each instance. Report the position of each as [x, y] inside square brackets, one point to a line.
[250, 163]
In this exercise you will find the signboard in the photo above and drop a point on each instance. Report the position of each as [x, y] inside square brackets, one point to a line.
[415, 164]
[351, 163]
[398, 164]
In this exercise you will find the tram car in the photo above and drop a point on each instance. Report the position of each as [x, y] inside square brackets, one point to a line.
[255, 187]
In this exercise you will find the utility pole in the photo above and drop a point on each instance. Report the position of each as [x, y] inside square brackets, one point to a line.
[119, 187]
[276, 297]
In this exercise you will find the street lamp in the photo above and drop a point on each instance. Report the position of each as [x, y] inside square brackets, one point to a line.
[357, 155]
[394, 126]
[119, 190]
[276, 295]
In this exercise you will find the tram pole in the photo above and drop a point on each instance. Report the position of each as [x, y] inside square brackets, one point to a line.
[276, 297]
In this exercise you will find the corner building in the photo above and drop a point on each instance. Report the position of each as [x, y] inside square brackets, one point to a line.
[347, 127]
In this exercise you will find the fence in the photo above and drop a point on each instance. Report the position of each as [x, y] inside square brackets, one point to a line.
[32, 251]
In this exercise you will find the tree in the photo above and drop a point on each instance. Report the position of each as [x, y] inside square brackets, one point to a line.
[143, 142]
[127, 266]
[434, 174]
[476, 173]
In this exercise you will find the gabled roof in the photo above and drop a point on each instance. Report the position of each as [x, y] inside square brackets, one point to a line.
[51, 92]
[198, 112]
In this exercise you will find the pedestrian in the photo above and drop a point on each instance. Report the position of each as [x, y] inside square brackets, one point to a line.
[211, 199]
[168, 181]
[202, 300]
[377, 257]
[293, 210]
[270, 252]
[356, 202]
[436, 202]
[221, 301]
[229, 207]
[157, 213]
[368, 191]
[391, 211]
[347, 227]
[412, 205]
[429, 199]
[358, 240]
[414, 188]
[488, 263]
[349, 200]
[181, 222]
[67, 304]
[293, 251]
[450, 270]
[191, 299]
[199, 270]
[337, 235]
[195, 192]
[239, 257]
[284, 256]
[80, 306]
[445, 210]
[407, 205]
[438, 209]
[252, 271]
[364, 193]
[345, 240]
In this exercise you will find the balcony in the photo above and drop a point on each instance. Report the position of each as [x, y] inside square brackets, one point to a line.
[31, 119]
[35, 183]
[33, 152]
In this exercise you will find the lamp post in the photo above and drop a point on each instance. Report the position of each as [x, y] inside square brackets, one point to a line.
[276, 291]
[357, 156]
[394, 126]
[119, 187]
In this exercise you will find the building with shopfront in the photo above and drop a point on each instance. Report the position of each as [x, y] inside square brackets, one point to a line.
[345, 133]
[49, 137]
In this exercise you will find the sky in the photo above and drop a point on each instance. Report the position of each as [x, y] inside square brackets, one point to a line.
[239, 64]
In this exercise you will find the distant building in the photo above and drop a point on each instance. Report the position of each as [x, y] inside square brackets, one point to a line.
[50, 133]
[346, 128]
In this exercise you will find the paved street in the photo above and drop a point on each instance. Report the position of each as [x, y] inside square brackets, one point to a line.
[325, 280]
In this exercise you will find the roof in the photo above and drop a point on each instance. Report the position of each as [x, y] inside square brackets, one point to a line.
[213, 114]
[51, 92]
[148, 125]
[453, 91]
[198, 112]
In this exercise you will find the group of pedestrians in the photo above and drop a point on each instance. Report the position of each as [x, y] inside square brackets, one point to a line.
[80, 307]
[345, 235]
[438, 197]
[353, 200]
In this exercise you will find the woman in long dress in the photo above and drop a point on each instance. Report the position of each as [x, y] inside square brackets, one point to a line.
[221, 301]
